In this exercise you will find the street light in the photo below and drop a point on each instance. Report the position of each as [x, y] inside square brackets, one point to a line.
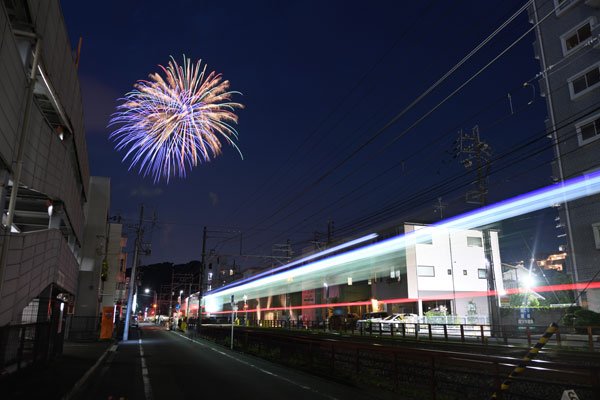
[154, 302]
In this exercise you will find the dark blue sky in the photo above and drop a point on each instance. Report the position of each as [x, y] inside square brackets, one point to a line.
[318, 80]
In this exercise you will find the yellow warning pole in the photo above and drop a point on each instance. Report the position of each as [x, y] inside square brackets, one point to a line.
[531, 354]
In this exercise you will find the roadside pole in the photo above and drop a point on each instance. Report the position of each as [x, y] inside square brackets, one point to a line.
[201, 280]
[233, 310]
[138, 241]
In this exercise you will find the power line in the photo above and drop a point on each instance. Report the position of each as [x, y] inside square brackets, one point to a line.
[417, 198]
[297, 209]
[336, 108]
[414, 103]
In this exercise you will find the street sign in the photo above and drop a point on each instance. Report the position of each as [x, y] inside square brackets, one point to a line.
[526, 313]
[525, 317]
[569, 395]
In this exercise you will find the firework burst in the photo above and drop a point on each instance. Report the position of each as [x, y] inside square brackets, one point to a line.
[167, 125]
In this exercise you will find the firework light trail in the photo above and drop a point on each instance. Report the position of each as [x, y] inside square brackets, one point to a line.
[168, 124]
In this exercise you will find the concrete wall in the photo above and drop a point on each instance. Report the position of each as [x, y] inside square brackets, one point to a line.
[94, 247]
[35, 260]
[110, 294]
[58, 59]
[456, 264]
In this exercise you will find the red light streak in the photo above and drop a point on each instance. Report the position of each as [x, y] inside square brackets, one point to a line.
[459, 295]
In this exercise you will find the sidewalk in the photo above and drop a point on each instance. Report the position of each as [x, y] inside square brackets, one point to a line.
[57, 378]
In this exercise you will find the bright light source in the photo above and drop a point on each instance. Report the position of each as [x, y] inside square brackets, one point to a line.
[325, 284]
[181, 292]
[529, 281]
[50, 210]
[349, 281]
[146, 290]
[375, 304]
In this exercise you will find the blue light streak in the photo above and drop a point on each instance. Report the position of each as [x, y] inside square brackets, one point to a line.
[382, 253]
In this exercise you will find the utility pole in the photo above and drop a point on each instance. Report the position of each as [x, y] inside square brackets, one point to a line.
[439, 207]
[282, 252]
[476, 152]
[132, 279]
[201, 278]
[171, 292]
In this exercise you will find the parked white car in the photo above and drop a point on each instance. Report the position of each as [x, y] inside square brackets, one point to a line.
[396, 320]
[371, 319]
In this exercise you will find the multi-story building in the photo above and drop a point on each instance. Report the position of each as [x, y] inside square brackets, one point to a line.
[449, 271]
[103, 262]
[567, 45]
[402, 269]
[113, 267]
[44, 173]
[554, 262]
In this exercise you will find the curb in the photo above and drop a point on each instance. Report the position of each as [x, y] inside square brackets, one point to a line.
[88, 373]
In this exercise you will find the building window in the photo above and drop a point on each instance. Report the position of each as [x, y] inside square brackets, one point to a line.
[449, 271]
[588, 130]
[585, 82]
[596, 228]
[577, 36]
[427, 239]
[464, 272]
[563, 5]
[482, 273]
[474, 241]
[425, 270]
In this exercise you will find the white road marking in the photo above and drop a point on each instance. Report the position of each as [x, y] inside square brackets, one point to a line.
[145, 377]
[258, 368]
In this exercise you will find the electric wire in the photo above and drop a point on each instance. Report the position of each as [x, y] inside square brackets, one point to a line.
[412, 104]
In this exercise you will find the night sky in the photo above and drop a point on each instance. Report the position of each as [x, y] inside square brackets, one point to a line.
[319, 80]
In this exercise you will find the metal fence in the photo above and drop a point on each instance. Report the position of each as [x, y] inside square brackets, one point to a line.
[24, 345]
[83, 328]
[582, 338]
[411, 373]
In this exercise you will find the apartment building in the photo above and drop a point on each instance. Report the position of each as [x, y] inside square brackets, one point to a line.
[44, 171]
[567, 46]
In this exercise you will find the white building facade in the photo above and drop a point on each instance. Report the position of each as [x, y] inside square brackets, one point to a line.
[459, 272]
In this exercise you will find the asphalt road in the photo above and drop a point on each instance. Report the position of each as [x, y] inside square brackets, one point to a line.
[167, 365]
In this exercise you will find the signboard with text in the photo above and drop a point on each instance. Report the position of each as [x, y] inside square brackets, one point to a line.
[525, 316]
